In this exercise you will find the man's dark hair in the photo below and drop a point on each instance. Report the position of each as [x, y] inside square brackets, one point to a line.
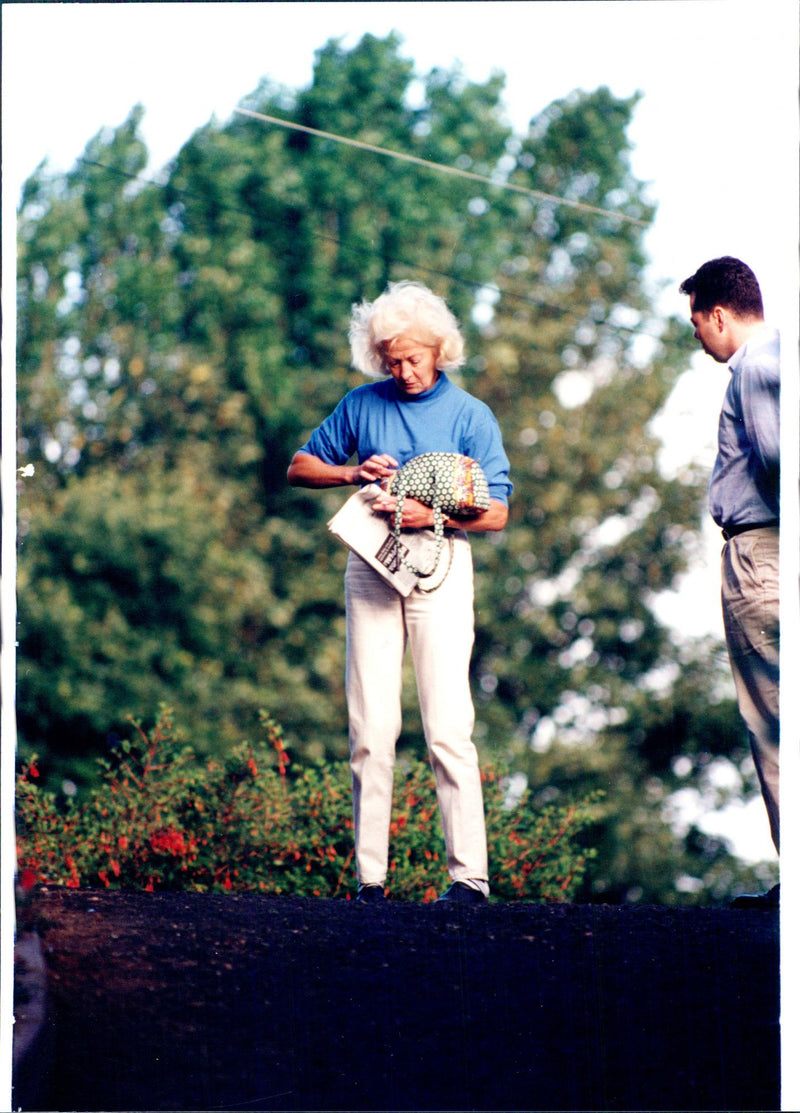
[727, 282]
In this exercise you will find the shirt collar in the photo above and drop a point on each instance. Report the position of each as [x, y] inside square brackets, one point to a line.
[437, 387]
[758, 340]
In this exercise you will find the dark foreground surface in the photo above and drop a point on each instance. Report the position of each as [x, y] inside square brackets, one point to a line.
[173, 1001]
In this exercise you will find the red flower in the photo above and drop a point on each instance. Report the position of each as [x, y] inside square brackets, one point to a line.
[73, 881]
[169, 841]
[27, 877]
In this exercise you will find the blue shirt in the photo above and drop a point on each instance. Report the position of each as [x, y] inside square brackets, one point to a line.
[745, 481]
[376, 418]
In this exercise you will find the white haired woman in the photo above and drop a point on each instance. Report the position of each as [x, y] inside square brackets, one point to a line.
[409, 339]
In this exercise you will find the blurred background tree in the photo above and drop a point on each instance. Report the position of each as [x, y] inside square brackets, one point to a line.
[180, 336]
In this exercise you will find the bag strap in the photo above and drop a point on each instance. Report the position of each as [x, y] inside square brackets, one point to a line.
[430, 590]
[438, 528]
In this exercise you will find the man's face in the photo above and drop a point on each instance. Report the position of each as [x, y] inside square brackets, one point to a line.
[709, 330]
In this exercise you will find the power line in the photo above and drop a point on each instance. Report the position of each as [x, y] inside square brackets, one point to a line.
[443, 168]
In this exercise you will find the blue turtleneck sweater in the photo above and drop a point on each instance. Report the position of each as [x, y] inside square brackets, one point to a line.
[376, 418]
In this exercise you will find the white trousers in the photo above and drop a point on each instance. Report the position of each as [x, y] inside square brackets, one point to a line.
[750, 609]
[439, 627]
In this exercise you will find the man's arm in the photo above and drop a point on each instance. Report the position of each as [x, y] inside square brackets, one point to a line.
[760, 403]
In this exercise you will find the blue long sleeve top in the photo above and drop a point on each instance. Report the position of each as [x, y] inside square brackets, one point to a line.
[375, 418]
[745, 481]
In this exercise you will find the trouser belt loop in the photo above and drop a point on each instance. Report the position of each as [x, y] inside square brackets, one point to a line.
[734, 531]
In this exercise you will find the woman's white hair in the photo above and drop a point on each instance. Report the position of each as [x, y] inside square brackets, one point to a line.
[405, 308]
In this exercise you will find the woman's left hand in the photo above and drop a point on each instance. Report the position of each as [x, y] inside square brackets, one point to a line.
[416, 515]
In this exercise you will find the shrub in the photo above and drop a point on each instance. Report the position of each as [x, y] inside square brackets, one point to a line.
[160, 818]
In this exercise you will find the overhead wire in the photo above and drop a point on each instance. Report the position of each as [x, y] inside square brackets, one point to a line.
[444, 168]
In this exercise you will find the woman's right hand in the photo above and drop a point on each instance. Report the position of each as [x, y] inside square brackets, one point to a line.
[375, 469]
[306, 470]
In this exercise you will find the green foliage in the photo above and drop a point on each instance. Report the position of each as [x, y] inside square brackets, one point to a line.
[257, 822]
[122, 584]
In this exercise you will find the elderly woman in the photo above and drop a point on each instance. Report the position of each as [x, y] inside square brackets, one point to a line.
[408, 338]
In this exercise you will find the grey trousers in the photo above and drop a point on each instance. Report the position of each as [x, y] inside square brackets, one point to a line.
[750, 594]
[439, 628]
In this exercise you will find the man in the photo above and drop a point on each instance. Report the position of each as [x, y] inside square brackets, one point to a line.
[728, 318]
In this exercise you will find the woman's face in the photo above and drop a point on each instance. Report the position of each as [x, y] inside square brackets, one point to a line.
[411, 364]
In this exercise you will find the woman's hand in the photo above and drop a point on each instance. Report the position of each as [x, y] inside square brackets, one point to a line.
[375, 469]
[306, 470]
[416, 515]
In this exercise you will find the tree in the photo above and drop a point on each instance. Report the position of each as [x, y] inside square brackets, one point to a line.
[180, 338]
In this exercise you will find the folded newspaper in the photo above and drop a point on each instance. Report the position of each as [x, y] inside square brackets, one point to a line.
[370, 536]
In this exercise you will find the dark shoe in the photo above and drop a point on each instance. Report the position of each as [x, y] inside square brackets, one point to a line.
[461, 893]
[370, 894]
[770, 901]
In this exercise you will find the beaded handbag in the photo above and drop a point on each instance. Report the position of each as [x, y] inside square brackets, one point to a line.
[453, 485]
